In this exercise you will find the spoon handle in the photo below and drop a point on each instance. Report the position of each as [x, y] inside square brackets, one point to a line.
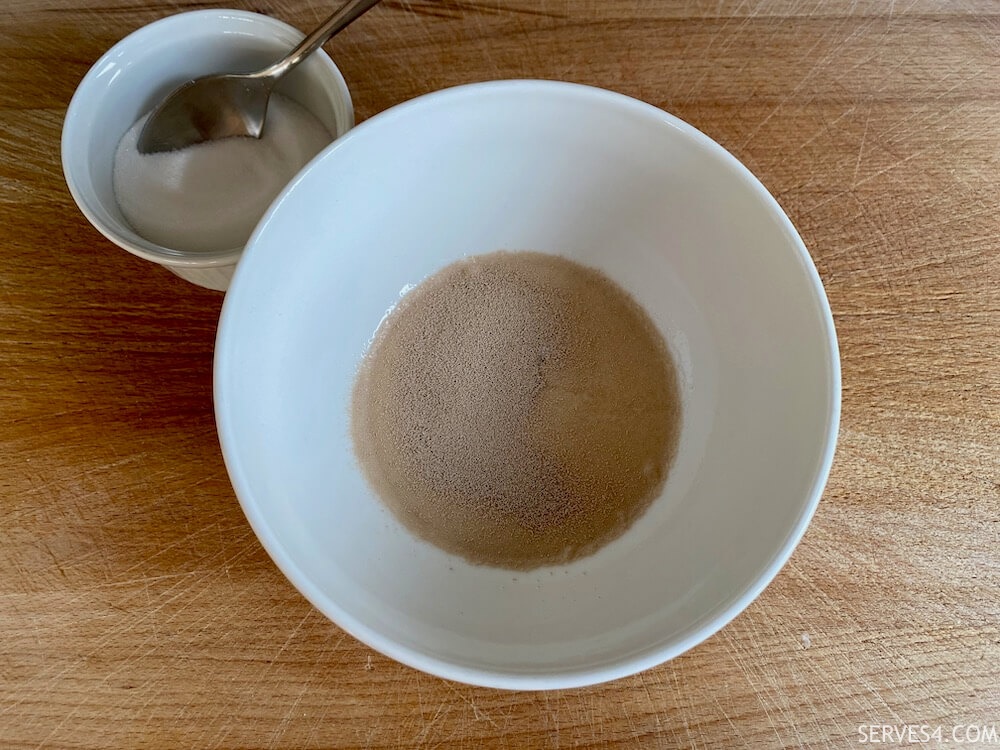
[340, 18]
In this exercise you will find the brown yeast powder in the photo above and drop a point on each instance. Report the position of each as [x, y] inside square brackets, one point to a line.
[517, 409]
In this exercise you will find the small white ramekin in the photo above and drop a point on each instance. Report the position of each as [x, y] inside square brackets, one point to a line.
[138, 71]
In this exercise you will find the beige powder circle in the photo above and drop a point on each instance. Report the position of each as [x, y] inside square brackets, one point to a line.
[517, 409]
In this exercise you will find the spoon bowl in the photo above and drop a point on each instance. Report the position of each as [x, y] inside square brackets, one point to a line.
[232, 105]
[207, 109]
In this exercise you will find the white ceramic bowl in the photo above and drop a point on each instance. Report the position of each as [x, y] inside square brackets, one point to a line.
[608, 181]
[135, 74]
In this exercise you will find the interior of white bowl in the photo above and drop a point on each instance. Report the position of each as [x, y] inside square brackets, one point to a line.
[615, 184]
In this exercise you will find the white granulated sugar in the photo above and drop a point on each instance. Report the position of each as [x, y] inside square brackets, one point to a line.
[210, 196]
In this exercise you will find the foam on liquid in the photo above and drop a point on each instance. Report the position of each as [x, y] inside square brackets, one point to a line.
[517, 409]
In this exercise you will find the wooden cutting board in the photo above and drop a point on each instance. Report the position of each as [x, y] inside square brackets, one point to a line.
[137, 608]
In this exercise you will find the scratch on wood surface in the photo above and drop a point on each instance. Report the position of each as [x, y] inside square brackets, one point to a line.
[289, 714]
[307, 685]
[823, 676]
[636, 734]
[329, 675]
[506, 717]
[930, 112]
[705, 52]
[684, 702]
[886, 239]
[140, 652]
[820, 63]
[455, 9]
[318, 14]
[641, 679]
[736, 35]
[442, 710]
[51, 675]
[738, 652]
[734, 729]
[875, 175]
[428, 8]
[861, 144]
[44, 545]
[554, 723]
[477, 713]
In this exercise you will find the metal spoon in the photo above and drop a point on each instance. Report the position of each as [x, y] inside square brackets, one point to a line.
[221, 106]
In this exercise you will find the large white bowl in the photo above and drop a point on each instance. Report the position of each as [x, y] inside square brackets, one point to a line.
[608, 181]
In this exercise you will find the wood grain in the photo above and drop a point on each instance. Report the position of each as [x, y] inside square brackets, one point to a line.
[137, 608]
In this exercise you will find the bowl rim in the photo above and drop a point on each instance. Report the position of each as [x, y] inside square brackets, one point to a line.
[176, 23]
[630, 664]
